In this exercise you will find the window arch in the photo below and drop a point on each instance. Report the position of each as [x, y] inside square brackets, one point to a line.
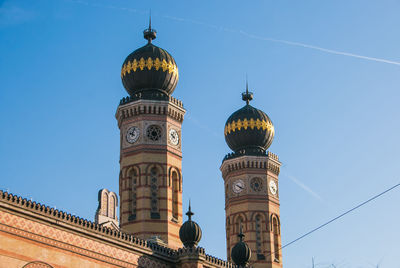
[275, 232]
[228, 237]
[154, 200]
[259, 237]
[239, 223]
[175, 194]
[134, 181]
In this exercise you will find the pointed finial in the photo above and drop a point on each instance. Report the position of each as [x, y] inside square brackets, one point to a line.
[247, 85]
[149, 33]
[189, 213]
[241, 235]
[247, 96]
[150, 20]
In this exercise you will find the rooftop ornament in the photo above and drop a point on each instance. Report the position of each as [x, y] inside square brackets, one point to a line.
[241, 253]
[149, 33]
[190, 231]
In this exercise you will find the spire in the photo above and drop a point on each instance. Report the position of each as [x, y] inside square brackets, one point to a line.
[149, 33]
[189, 213]
[150, 20]
[247, 96]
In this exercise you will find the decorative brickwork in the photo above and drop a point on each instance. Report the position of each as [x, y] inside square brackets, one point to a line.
[47, 228]
[37, 264]
[254, 206]
[157, 195]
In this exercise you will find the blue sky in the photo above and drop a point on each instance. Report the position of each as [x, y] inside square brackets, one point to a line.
[326, 72]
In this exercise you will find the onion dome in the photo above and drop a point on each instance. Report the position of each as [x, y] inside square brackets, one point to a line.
[190, 231]
[241, 253]
[149, 70]
[249, 130]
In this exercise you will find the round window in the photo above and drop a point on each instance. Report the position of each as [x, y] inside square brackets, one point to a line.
[154, 132]
[256, 184]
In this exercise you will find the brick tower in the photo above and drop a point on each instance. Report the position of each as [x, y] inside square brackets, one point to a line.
[250, 176]
[150, 122]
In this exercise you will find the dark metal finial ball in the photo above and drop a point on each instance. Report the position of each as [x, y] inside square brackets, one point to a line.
[241, 252]
[190, 232]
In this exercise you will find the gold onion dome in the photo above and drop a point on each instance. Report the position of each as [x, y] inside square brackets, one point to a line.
[249, 130]
[149, 70]
[190, 231]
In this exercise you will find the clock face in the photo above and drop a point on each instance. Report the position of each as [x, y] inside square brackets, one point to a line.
[173, 136]
[132, 135]
[273, 188]
[238, 186]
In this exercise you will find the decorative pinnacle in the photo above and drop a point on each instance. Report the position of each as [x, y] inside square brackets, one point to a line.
[149, 33]
[189, 213]
[241, 235]
[247, 96]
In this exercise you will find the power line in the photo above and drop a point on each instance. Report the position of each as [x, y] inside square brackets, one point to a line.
[337, 217]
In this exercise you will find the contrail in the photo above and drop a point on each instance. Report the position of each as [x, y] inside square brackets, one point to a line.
[304, 187]
[249, 35]
[320, 49]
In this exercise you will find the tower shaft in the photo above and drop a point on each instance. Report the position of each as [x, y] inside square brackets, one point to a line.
[150, 180]
[252, 201]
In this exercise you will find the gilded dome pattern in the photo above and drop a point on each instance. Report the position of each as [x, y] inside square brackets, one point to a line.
[149, 70]
[249, 130]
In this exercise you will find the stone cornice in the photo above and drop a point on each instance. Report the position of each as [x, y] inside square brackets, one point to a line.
[268, 162]
[172, 108]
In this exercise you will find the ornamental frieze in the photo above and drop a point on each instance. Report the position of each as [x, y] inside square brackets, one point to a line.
[142, 64]
[244, 124]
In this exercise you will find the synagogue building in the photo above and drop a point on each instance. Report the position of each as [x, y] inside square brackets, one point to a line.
[152, 228]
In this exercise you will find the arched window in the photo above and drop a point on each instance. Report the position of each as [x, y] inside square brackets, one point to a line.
[154, 202]
[275, 231]
[259, 238]
[134, 179]
[239, 223]
[175, 192]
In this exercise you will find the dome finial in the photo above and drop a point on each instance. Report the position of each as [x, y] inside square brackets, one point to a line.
[241, 252]
[247, 96]
[189, 213]
[190, 231]
[149, 33]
